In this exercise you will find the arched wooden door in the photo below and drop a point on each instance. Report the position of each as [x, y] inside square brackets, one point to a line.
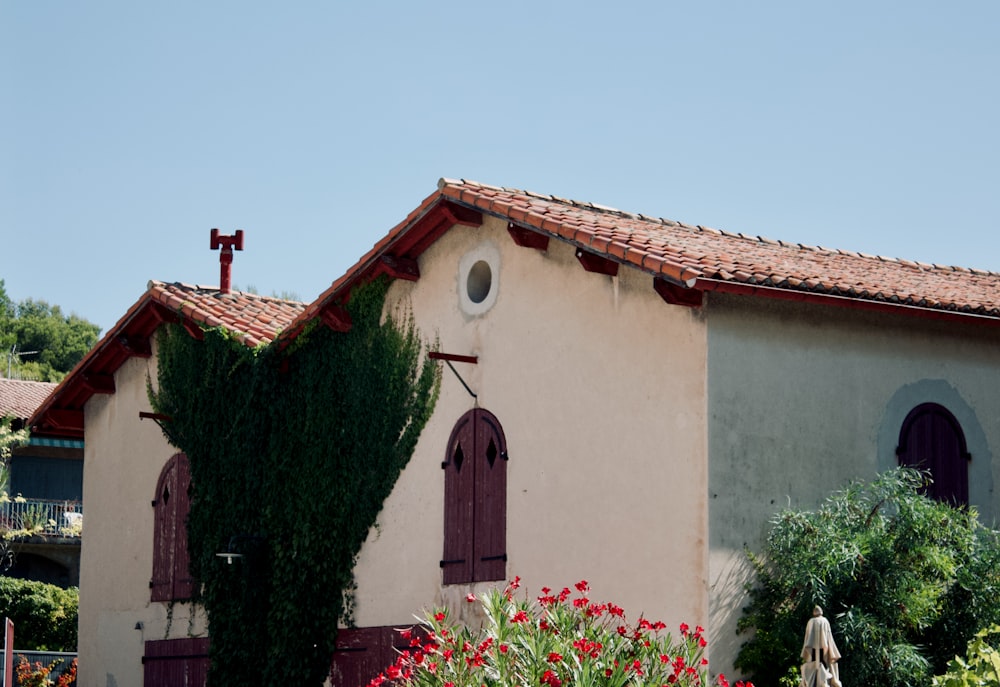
[931, 439]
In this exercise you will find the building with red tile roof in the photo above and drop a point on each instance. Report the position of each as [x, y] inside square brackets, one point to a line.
[19, 398]
[638, 396]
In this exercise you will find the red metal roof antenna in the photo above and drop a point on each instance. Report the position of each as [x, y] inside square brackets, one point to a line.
[227, 244]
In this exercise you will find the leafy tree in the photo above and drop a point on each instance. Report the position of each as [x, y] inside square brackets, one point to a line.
[56, 341]
[44, 615]
[905, 580]
[7, 315]
[61, 340]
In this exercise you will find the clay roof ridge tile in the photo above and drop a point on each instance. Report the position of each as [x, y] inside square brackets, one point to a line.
[532, 194]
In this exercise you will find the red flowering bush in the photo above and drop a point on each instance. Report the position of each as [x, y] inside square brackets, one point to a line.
[561, 639]
[37, 675]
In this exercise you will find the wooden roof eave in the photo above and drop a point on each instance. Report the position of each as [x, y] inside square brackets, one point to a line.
[61, 414]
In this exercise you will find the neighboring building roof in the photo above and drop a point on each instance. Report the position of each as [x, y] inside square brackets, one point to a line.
[685, 260]
[253, 319]
[19, 399]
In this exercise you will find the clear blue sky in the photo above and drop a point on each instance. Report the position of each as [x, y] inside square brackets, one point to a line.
[132, 128]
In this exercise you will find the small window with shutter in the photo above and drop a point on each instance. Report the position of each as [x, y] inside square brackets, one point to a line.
[475, 494]
[931, 439]
[171, 578]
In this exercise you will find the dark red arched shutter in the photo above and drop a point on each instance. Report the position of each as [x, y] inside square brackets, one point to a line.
[931, 439]
[475, 510]
[171, 579]
[490, 545]
[459, 507]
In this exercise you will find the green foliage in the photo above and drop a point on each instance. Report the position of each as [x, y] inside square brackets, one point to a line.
[905, 580]
[9, 440]
[294, 451]
[7, 314]
[56, 341]
[981, 666]
[44, 615]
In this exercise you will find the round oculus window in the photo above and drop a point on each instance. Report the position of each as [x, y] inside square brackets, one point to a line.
[478, 277]
[478, 283]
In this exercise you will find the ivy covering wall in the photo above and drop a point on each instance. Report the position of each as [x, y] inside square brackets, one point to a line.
[292, 454]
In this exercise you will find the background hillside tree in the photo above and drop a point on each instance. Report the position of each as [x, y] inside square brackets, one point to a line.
[905, 581]
[40, 342]
[44, 615]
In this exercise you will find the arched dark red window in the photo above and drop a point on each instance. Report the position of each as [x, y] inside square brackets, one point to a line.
[475, 500]
[931, 439]
[171, 578]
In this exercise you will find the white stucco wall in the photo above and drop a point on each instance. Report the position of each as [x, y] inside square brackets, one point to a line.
[599, 386]
[122, 462]
[804, 398]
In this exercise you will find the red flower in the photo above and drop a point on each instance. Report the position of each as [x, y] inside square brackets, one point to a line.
[439, 616]
[554, 657]
[470, 597]
[551, 679]
[582, 586]
[519, 617]
[684, 629]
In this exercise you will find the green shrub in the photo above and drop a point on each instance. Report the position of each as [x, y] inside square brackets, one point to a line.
[44, 615]
[905, 580]
[981, 667]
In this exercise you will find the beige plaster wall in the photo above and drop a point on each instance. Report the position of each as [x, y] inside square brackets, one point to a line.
[804, 398]
[599, 386]
[122, 462]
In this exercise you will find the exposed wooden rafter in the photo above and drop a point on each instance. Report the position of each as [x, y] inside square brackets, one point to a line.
[597, 263]
[459, 214]
[192, 328]
[137, 346]
[527, 238]
[676, 295]
[399, 267]
[98, 383]
[336, 318]
[63, 419]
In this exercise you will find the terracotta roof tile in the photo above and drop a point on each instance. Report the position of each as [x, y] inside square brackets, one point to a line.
[254, 319]
[704, 253]
[19, 399]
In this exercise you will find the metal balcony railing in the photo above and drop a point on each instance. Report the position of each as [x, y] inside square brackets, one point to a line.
[42, 517]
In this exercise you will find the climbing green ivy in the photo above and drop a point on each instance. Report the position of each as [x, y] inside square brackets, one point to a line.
[293, 452]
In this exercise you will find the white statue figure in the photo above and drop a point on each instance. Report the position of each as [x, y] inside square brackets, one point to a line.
[819, 653]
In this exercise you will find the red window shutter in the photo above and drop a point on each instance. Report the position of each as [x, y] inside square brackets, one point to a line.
[364, 652]
[164, 533]
[171, 579]
[183, 586]
[459, 507]
[176, 662]
[490, 529]
[931, 439]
